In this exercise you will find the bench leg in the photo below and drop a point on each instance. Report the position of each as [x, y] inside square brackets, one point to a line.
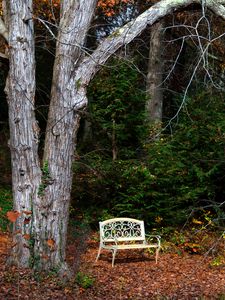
[99, 251]
[113, 256]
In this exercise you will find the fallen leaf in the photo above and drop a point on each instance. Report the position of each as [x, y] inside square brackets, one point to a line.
[13, 216]
[26, 236]
[51, 243]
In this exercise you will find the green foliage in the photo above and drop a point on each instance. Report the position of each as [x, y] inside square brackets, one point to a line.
[5, 206]
[115, 97]
[84, 280]
[174, 176]
[218, 261]
[44, 179]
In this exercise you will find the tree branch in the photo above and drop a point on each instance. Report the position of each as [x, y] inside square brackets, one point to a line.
[217, 8]
[124, 35]
[3, 30]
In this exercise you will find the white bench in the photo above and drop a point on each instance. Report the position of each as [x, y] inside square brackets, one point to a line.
[125, 233]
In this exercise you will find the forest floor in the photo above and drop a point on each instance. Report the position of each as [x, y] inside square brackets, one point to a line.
[176, 276]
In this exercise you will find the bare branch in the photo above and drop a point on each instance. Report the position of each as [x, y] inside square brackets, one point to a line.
[128, 32]
[217, 7]
[3, 55]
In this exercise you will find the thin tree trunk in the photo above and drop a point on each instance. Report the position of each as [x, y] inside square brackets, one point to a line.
[154, 103]
[114, 146]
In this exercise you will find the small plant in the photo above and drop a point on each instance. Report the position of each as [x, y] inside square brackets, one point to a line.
[84, 280]
[5, 206]
[45, 179]
[218, 261]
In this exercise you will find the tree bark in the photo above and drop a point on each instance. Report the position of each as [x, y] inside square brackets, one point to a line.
[24, 129]
[68, 98]
[154, 103]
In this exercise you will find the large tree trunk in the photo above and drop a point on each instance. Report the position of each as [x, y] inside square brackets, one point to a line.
[68, 98]
[24, 130]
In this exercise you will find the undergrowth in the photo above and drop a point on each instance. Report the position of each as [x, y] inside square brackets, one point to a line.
[5, 206]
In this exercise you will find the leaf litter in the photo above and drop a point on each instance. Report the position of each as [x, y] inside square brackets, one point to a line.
[134, 276]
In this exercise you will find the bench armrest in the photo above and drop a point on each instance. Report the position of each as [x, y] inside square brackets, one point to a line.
[158, 237]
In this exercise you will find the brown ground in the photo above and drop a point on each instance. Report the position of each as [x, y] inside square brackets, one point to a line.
[133, 277]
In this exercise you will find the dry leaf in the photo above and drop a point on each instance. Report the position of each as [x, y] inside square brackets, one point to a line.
[26, 236]
[51, 243]
[13, 216]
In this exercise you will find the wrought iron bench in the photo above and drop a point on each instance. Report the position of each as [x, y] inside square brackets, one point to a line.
[125, 233]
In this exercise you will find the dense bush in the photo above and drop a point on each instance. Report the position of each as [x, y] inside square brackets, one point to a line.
[175, 174]
[116, 109]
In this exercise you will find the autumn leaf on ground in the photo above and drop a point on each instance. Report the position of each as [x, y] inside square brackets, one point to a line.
[13, 216]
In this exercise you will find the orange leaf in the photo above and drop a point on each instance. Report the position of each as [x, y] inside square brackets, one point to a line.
[51, 243]
[26, 236]
[13, 216]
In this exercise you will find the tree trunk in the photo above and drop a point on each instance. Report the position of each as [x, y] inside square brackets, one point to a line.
[154, 103]
[68, 98]
[20, 89]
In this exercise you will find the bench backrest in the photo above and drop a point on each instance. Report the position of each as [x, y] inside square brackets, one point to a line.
[122, 229]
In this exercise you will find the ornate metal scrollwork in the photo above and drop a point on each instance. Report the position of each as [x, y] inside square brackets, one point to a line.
[122, 229]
